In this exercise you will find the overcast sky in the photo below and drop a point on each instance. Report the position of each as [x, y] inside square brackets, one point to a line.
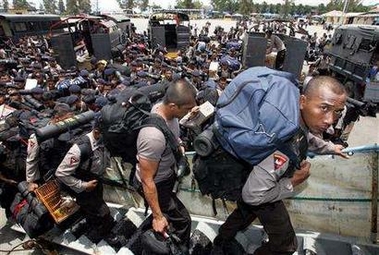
[108, 5]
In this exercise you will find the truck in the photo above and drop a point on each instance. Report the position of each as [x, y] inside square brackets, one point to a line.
[169, 29]
[77, 38]
[354, 53]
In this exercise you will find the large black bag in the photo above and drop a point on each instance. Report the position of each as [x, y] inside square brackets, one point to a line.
[217, 172]
[221, 175]
[30, 213]
[122, 120]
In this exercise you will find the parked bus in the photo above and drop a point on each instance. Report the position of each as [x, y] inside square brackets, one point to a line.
[17, 25]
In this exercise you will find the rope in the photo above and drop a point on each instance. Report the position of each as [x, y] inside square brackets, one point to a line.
[27, 245]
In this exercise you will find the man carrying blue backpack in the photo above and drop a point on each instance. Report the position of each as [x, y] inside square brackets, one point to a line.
[274, 178]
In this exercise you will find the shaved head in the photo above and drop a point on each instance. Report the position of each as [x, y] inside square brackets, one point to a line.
[323, 82]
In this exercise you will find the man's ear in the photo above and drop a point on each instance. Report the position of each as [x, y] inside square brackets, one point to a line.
[171, 105]
[302, 102]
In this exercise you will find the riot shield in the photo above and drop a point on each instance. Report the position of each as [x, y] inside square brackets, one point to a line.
[254, 50]
[294, 60]
[101, 43]
[157, 36]
[64, 50]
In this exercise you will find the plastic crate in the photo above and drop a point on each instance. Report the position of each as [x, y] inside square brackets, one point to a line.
[49, 194]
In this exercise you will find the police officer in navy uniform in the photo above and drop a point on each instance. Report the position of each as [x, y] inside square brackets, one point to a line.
[46, 156]
[81, 171]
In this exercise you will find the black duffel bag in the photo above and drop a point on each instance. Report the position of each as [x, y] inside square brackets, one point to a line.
[30, 213]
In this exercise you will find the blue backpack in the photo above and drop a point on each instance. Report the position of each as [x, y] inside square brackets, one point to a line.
[257, 114]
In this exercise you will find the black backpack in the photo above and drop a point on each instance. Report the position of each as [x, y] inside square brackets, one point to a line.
[121, 121]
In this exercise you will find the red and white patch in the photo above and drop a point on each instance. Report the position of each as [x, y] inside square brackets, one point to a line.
[279, 161]
[73, 161]
[32, 144]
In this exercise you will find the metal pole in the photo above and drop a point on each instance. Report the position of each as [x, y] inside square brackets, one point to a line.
[374, 199]
[345, 6]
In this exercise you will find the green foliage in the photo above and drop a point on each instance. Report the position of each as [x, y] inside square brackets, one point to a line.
[264, 7]
[322, 8]
[50, 6]
[354, 6]
[287, 8]
[184, 4]
[85, 6]
[226, 5]
[143, 4]
[246, 7]
[126, 4]
[61, 7]
[197, 4]
[20, 4]
[72, 7]
[156, 6]
[6, 5]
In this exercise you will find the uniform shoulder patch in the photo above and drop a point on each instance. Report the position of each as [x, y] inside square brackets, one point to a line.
[73, 160]
[279, 161]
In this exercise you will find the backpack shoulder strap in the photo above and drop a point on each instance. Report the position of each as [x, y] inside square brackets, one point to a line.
[157, 121]
[85, 149]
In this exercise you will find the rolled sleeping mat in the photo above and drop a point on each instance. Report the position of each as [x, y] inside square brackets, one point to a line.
[63, 126]
[205, 143]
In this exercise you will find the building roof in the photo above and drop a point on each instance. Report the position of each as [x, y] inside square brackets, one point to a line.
[333, 13]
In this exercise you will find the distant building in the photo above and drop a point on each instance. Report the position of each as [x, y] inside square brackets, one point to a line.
[370, 18]
[338, 17]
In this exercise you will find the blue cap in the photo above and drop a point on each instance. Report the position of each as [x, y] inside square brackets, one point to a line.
[101, 101]
[89, 99]
[126, 82]
[61, 108]
[37, 90]
[74, 88]
[71, 99]
[101, 81]
[142, 74]
[196, 73]
[19, 79]
[37, 66]
[84, 73]
[141, 84]
[109, 71]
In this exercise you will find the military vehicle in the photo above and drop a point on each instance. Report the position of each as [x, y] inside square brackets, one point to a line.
[353, 53]
[169, 29]
[75, 39]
